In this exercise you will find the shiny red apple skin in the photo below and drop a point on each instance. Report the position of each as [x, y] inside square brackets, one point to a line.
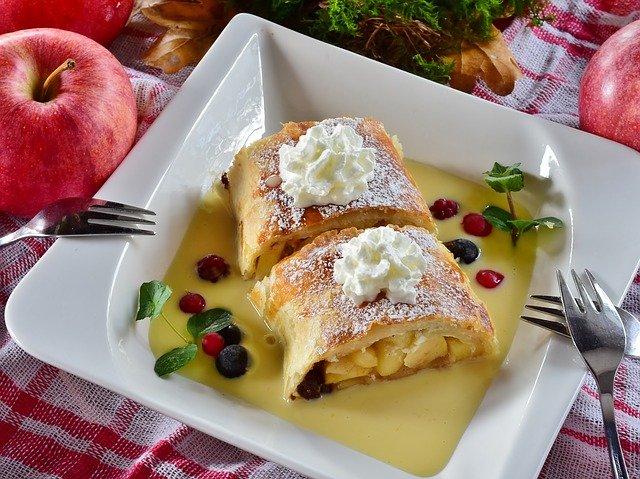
[100, 20]
[609, 96]
[69, 145]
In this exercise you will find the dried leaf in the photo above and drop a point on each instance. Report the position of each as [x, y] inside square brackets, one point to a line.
[177, 49]
[192, 26]
[490, 60]
[138, 5]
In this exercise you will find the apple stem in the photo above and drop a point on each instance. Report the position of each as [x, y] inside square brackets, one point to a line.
[69, 64]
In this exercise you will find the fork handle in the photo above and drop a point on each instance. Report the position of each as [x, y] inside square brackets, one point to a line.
[16, 235]
[611, 433]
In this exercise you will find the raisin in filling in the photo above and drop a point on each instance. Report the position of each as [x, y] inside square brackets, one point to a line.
[313, 386]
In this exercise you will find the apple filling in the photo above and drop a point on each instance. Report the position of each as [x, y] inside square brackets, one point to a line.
[275, 253]
[271, 256]
[393, 357]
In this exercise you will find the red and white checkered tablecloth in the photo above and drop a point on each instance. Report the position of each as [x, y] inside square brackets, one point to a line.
[55, 425]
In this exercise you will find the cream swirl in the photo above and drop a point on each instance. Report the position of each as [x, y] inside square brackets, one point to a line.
[323, 168]
[380, 260]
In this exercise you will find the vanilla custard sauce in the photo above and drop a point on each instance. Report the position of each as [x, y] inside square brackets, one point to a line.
[413, 423]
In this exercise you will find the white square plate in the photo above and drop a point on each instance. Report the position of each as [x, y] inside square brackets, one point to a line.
[75, 308]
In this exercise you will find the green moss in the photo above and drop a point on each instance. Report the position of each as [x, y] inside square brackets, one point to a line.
[438, 70]
[345, 16]
[412, 35]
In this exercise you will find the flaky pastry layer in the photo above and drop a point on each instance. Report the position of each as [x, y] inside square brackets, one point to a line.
[330, 342]
[270, 227]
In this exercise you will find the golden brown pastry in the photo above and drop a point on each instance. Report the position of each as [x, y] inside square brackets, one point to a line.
[331, 342]
[270, 227]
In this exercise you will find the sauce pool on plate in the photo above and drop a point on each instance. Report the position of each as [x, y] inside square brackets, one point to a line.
[413, 423]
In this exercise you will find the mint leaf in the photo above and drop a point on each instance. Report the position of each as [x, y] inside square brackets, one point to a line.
[550, 222]
[507, 179]
[175, 359]
[498, 217]
[502, 219]
[153, 295]
[209, 321]
[522, 226]
[504, 179]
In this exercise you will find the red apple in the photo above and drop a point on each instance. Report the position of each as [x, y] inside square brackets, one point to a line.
[100, 20]
[67, 140]
[609, 97]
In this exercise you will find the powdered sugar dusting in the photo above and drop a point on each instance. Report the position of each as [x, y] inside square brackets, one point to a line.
[389, 187]
[440, 291]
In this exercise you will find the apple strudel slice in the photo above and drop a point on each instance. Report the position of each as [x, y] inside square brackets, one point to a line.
[354, 307]
[313, 177]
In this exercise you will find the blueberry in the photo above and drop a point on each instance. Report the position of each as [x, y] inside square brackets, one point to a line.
[463, 250]
[231, 334]
[232, 361]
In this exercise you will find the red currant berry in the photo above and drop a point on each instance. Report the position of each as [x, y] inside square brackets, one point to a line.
[212, 268]
[212, 344]
[192, 303]
[489, 278]
[443, 208]
[477, 225]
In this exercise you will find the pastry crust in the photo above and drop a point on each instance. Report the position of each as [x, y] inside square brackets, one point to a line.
[270, 227]
[327, 338]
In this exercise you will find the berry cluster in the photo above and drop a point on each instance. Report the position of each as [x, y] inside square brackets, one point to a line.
[464, 250]
[224, 345]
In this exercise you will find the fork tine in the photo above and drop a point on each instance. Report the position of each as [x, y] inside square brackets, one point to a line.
[104, 205]
[546, 297]
[603, 300]
[568, 302]
[554, 326]
[552, 299]
[112, 229]
[131, 231]
[543, 309]
[108, 218]
[587, 302]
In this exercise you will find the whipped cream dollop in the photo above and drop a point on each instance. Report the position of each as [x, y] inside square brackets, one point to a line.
[326, 168]
[380, 259]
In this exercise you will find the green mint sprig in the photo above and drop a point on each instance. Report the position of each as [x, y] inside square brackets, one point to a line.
[210, 321]
[510, 179]
[153, 296]
[175, 359]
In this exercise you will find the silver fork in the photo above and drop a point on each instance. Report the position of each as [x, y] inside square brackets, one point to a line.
[83, 217]
[629, 321]
[599, 336]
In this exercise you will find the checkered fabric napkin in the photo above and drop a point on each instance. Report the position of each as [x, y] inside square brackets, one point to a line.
[55, 425]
